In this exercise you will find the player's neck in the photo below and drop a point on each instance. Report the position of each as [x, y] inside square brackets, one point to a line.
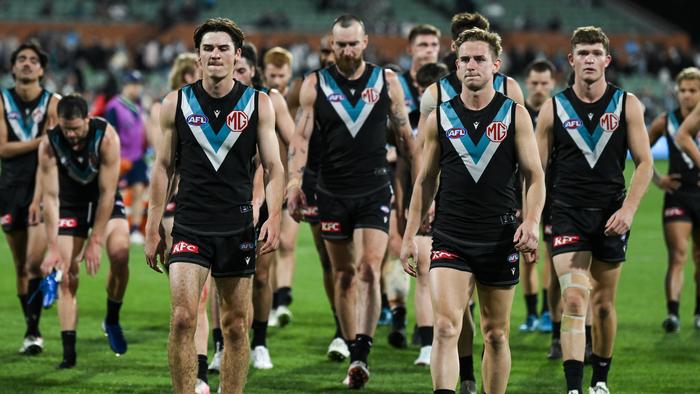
[686, 111]
[415, 66]
[28, 91]
[590, 92]
[355, 75]
[477, 100]
[532, 104]
[217, 87]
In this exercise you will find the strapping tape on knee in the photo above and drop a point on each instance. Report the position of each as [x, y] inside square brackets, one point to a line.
[573, 324]
[574, 280]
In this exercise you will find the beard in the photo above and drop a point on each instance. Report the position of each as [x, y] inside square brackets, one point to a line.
[347, 64]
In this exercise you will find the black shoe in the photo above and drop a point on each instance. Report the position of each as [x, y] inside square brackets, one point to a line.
[555, 350]
[397, 338]
[671, 325]
[66, 364]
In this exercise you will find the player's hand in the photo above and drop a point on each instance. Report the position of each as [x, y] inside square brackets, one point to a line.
[620, 222]
[427, 225]
[269, 237]
[409, 255]
[526, 237]
[34, 213]
[669, 183]
[154, 248]
[531, 257]
[51, 261]
[93, 254]
[296, 202]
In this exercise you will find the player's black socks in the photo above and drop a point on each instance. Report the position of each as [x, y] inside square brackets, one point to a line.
[601, 367]
[259, 334]
[589, 336]
[202, 367]
[275, 299]
[443, 391]
[68, 339]
[672, 307]
[398, 317]
[531, 304]
[362, 346]
[573, 370]
[545, 303]
[697, 305]
[284, 296]
[385, 301]
[466, 368]
[338, 331]
[113, 308]
[556, 329]
[426, 335]
[218, 339]
[23, 303]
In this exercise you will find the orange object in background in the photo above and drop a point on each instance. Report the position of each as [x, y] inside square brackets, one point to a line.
[126, 196]
[124, 166]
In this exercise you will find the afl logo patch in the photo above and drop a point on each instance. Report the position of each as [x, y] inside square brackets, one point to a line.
[14, 115]
[456, 133]
[197, 120]
[237, 120]
[609, 122]
[514, 258]
[497, 131]
[370, 95]
[572, 124]
[335, 97]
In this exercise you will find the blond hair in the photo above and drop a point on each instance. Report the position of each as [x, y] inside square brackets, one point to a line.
[476, 34]
[688, 73]
[185, 63]
[278, 57]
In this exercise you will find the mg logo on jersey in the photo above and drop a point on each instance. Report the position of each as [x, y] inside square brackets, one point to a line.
[197, 120]
[442, 255]
[335, 97]
[456, 133]
[330, 227]
[561, 240]
[572, 124]
[6, 220]
[673, 212]
[67, 223]
[609, 122]
[370, 95]
[184, 247]
[497, 131]
[237, 120]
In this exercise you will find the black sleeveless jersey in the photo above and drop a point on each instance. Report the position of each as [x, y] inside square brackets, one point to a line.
[78, 170]
[679, 162]
[411, 99]
[477, 163]
[352, 120]
[217, 139]
[534, 113]
[589, 150]
[24, 121]
[450, 86]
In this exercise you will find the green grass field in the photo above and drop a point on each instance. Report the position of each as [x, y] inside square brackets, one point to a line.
[646, 360]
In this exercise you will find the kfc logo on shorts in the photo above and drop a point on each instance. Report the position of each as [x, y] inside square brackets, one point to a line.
[572, 124]
[370, 95]
[442, 255]
[246, 246]
[67, 223]
[514, 258]
[561, 240]
[6, 220]
[237, 120]
[673, 212]
[311, 211]
[330, 227]
[184, 247]
[609, 122]
[497, 131]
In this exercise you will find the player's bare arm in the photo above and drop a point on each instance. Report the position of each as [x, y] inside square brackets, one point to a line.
[544, 133]
[48, 174]
[283, 120]
[671, 182]
[51, 122]
[108, 179]
[638, 142]
[163, 169]
[398, 117]
[268, 148]
[527, 235]
[299, 148]
[686, 135]
[423, 192]
[514, 91]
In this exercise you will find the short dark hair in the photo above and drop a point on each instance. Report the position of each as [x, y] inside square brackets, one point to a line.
[219, 24]
[34, 46]
[346, 20]
[590, 35]
[72, 106]
[250, 54]
[423, 29]
[466, 21]
[540, 65]
[430, 73]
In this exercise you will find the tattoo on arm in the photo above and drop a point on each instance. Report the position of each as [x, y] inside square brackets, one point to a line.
[398, 116]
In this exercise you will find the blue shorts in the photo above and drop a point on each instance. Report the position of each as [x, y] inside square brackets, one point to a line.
[137, 174]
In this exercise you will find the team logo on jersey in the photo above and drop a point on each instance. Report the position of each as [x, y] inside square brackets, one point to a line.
[673, 212]
[67, 223]
[456, 132]
[513, 258]
[497, 131]
[330, 227]
[184, 247]
[335, 97]
[442, 255]
[92, 159]
[561, 240]
[573, 124]
[370, 95]
[38, 114]
[6, 219]
[246, 246]
[237, 120]
[197, 120]
[609, 122]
